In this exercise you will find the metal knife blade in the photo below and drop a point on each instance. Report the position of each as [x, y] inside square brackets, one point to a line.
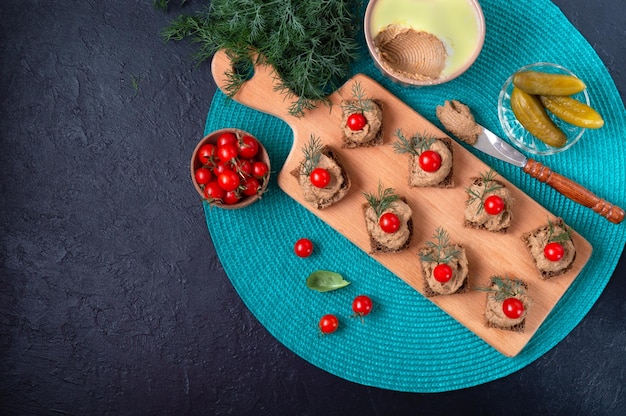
[488, 142]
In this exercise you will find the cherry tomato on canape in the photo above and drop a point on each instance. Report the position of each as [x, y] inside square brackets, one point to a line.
[389, 222]
[513, 308]
[554, 251]
[494, 205]
[430, 161]
[356, 121]
[320, 178]
[442, 273]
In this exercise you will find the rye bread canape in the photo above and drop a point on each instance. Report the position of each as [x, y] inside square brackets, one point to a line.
[323, 179]
[431, 159]
[488, 205]
[507, 303]
[444, 266]
[362, 120]
[388, 220]
[551, 248]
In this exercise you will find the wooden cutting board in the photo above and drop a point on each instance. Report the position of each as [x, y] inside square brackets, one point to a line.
[488, 253]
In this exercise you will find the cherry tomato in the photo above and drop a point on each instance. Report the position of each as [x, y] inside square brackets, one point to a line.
[553, 251]
[389, 222]
[356, 121]
[259, 169]
[362, 305]
[226, 138]
[227, 152]
[243, 166]
[251, 186]
[328, 324]
[320, 178]
[442, 273]
[512, 308]
[203, 176]
[430, 161]
[494, 205]
[213, 191]
[248, 147]
[206, 153]
[228, 180]
[220, 167]
[303, 247]
[231, 197]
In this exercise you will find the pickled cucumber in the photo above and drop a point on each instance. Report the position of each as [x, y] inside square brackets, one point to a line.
[544, 83]
[573, 111]
[532, 115]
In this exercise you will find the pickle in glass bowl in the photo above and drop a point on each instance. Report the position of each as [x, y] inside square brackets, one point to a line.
[518, 134]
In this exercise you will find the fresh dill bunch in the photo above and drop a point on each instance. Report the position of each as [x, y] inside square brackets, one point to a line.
[381, 201]
[310, 45]
[414, 145]
[312, 152]
[441, 251]
[505, 287]
[489, 186]
[563, 236]
[361, 102]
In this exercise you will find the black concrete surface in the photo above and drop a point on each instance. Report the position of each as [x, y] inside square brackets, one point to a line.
[112, 300]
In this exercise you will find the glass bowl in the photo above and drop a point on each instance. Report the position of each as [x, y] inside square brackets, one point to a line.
[518, 135]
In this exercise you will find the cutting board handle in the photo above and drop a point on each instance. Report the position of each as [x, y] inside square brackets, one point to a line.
[574, 191]
[259, 92]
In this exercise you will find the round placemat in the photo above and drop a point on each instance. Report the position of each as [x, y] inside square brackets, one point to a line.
[407, 343]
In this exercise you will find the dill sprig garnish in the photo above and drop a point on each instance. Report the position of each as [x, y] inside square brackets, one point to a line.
[561, 237]
[310, 45]
[441, 250]
[489, 186]
[361, 102]
[414, 145]
[381, 201]
[312, 153]
[505, 287]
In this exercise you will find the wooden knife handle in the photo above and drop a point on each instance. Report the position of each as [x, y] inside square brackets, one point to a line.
[574, 191]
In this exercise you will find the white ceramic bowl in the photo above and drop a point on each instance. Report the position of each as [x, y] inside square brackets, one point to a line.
[458, 24]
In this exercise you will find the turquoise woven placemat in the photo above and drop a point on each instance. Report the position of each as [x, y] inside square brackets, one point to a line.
[408, 343]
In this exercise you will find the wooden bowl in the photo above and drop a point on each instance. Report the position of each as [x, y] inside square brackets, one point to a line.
[261, 156]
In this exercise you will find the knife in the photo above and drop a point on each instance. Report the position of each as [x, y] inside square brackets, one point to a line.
[488, 142]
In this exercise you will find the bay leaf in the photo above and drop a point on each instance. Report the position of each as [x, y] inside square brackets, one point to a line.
[325, 281]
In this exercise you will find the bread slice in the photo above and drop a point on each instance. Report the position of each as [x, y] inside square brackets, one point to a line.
[521, 327]
[376, 247]
[375, 141]
[518, 327]
[428, 291]
[343, 191]
[447, 182]
[469, 224]
[543, 273]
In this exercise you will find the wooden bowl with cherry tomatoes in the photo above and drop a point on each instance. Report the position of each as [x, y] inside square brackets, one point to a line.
[230, 168]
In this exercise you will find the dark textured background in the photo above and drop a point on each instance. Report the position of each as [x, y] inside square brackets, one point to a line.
[112, 300]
